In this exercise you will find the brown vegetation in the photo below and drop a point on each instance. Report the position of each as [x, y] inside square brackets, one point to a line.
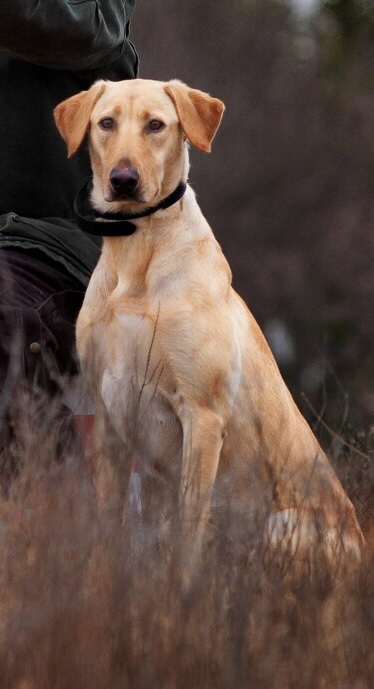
[87, 605]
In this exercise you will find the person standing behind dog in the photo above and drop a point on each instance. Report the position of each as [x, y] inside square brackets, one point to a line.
[48, 51]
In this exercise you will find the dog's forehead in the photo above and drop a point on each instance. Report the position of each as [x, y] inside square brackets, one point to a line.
[136, 96]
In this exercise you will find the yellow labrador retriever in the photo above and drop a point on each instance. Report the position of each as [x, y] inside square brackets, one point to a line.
[172, 355]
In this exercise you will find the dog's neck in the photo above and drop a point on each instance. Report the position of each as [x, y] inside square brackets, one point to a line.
[141, 263]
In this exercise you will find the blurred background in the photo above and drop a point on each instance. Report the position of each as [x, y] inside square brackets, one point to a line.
[288, 188]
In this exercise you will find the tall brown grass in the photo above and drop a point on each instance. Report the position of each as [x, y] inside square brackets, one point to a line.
[87, 605]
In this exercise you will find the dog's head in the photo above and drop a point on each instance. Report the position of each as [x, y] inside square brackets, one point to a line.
[137, 133]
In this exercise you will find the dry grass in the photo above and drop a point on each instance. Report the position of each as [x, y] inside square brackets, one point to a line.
[85, 605]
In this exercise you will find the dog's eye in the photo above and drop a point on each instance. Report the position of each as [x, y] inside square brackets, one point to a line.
[155, 125]
[106, 123]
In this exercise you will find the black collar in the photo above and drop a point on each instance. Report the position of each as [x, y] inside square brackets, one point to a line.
[119, 224]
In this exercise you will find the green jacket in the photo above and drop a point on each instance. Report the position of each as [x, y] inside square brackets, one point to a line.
[48, 52]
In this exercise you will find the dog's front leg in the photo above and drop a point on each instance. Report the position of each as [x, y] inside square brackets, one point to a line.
[112, 466]
[203, 433]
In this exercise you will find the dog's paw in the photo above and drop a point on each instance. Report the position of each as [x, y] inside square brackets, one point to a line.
[304, 536]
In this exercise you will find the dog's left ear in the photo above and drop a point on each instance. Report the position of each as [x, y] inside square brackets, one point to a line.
[199, 113]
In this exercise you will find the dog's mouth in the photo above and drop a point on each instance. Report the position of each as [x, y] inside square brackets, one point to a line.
[118, 197]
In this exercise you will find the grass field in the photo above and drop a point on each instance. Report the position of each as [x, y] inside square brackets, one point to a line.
[85, 605]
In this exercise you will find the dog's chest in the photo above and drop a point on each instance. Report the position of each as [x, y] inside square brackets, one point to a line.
[135, 381]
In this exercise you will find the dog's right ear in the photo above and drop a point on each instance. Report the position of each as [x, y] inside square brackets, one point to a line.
[72, 116]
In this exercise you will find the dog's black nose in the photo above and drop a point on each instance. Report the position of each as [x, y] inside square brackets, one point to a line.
[124, 181]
